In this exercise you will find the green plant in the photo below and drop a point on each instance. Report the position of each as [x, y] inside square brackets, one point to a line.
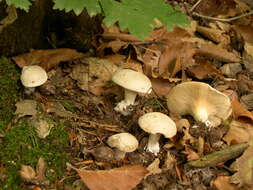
[138, 16]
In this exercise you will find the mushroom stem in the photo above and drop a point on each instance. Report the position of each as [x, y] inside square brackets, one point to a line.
[118, 154]
[153, 143]
[29, 90]
[130, 97]
[129, 100]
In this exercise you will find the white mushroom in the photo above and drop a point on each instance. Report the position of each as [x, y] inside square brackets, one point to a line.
[200, 100]
[156, 123]
[123, 142]
[133, 82]
[33, 76]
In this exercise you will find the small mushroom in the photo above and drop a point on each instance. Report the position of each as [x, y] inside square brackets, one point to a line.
[200, 100]
[133, 82]
[123, 142]
[33, 76]
[156, 123]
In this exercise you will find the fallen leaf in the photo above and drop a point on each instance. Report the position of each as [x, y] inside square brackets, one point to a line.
[161, 87]
[41, 170]
[238, 132]
[205, 70]
[217, 52]
[153, 168]
[47, 59]
[124, 178]
[240, 112]
[223, 183]
[80, 73]
[151, 59]
[175, 57]
[26, 107]
[42, 127]
[27, 173]
[215, 35]
[244, 166]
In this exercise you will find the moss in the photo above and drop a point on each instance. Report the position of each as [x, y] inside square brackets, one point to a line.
[22, 146]
[9, 89]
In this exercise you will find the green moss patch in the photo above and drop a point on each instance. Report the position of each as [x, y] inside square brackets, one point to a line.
[22, 146]
[9, 89]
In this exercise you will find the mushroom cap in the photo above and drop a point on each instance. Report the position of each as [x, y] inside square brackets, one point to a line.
[33, 76]
[199, 100]
[132, 80]
[125, 142]
[158, 123]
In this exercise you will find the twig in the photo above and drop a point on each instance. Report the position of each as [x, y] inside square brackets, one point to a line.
[224, 19]
[195, 5]
[219, 156]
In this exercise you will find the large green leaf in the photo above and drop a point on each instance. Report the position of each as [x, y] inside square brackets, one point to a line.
[22, 4]
[138, 15]
[77, 6]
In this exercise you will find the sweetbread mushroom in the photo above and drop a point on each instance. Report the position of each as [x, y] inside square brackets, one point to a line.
[32, 76]
[200, 100]
[156, 123]
[133, 82]
[123, 142]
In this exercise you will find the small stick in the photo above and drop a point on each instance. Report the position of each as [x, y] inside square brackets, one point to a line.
[224, 19]
[195, 5]
[214, 158]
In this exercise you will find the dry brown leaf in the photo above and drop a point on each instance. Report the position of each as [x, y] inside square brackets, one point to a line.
[240, 112]
[175, 57]
[163, 34]
[26, 107]
[204, 70]
[27, 173]
[114, 45]
[239, 132]
[222, 183]
[124, 178]
[217, 52]
[161, 86]
[244, 166]
[215, 35]
[153, 168]
[151, 59]
[132, 64]
[47, 58]
[212, 8]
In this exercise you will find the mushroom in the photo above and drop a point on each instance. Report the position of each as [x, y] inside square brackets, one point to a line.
[33, 76]
[156, 123]
[123, 142]
[133, 82]
[200, 100]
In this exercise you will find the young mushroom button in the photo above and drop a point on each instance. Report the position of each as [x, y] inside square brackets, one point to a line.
[123, 142]
[33, 76]
[200, 100]
[133, 82]
[156, 123]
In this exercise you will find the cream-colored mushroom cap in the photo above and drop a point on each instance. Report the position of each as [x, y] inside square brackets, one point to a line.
[125, 142]
[199, 100]
[158, 123]
[132, 80]
[33, 76]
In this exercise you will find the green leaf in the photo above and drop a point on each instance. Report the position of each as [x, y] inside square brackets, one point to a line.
[138, 15]
[22, 4]
[77, 6]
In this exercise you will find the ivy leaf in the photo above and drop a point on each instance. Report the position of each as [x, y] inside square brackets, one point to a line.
[77, 6]
[22, 4]
[138, 16]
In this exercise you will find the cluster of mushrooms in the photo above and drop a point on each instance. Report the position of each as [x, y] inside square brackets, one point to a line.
[204, 103]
